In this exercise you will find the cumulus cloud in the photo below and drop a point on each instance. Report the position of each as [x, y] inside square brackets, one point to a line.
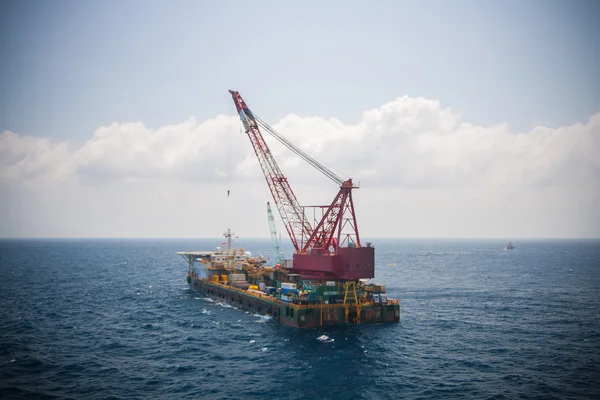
[26, 157]
[406, 144]
[132, 150]
[418, 143]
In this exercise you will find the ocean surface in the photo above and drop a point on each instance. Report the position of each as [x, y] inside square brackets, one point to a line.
[114, 319]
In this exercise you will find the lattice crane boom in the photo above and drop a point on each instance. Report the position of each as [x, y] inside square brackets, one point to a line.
[296, 224]
[274, 239]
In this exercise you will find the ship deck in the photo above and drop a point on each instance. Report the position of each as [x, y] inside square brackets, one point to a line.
[301, 315]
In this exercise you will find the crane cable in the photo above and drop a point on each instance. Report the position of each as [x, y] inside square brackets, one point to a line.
[301, 153]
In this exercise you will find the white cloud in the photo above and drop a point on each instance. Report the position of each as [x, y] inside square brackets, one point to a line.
[29, 158]
[407, 147]
[180, 151]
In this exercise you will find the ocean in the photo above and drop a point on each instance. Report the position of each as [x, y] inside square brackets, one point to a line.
[115, 319]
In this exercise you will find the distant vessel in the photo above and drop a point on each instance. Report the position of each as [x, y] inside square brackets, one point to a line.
[509, 246]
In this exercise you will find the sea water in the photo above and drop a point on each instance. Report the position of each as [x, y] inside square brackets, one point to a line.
[100, 319]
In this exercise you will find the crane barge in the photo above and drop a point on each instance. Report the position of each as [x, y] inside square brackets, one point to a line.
[326, 282]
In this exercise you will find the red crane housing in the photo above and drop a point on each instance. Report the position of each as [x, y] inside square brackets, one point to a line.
[332, 248]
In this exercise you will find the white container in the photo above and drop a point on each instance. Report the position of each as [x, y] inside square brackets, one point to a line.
[330, 283]
[237, 277]
[287, 285]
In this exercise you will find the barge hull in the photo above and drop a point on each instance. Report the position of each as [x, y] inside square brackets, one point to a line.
[296, 315]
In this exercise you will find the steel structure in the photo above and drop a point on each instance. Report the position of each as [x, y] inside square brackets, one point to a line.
[274, 238]
[328, 247]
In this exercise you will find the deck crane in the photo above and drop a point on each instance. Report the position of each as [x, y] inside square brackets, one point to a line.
[325, 248]
[274, 239]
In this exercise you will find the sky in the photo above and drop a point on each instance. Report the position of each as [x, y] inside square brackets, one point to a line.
[474, 119]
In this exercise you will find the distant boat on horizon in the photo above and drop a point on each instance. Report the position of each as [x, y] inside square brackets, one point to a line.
[509, 246]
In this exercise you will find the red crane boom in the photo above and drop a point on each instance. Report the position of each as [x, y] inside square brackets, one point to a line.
[330, 250]
[289, 208]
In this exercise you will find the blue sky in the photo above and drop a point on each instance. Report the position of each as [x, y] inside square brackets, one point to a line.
[71, 66]
[503, 68]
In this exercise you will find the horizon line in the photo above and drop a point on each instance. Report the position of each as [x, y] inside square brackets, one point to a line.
[268, 238]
